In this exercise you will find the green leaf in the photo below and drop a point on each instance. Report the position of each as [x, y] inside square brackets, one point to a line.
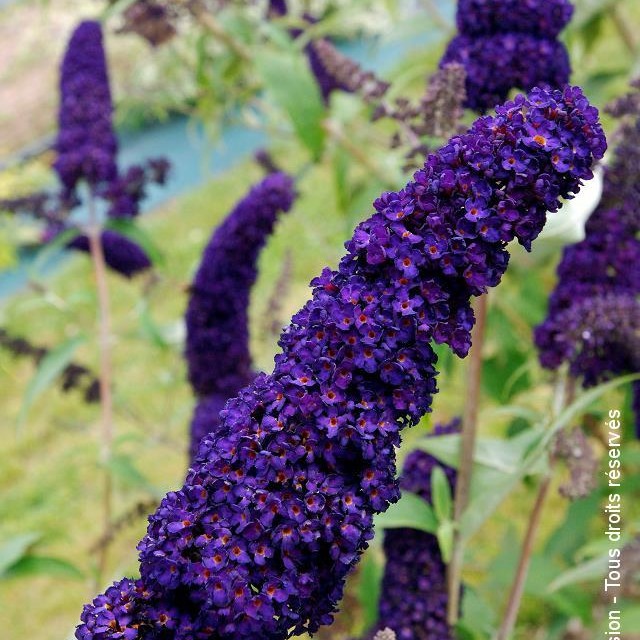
[131, 230]
[495, 453]
[16, 548]
[445, 539]
[51, 366]
[478, 616]
[370, 577]
[149, 327]
[51, 249]
[124, 469]
[593, 569]
[583, 402]
[410, 511]
[441, 494]
[28, 566]
[288, 79]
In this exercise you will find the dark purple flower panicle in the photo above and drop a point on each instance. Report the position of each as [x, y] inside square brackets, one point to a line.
[413, 596]
[217, 349]
[279, 504]
[593, 320]
[542, 18]
[86, 143]
[496, 64]
[120, 253]
[507, 44]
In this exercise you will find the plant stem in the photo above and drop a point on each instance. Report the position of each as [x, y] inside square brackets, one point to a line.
[94, 233]
[200, 13]
[563, 397]
[467, 447]
[517, 588]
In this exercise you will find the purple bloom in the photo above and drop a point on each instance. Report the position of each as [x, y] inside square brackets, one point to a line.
[86, 146]
[217, 349]
[255, 481]
[413, 597]
[542, 18]
[120, 253]
[86, 143]
[497, 63]
[593, 320]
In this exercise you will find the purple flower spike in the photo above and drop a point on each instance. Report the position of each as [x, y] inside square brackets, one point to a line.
[217, 349]
[496, 64]
[86, 142]
[593, 320]
[542, 18]
[279, 503]
[509, 44]
[413, 597]
[120, 253]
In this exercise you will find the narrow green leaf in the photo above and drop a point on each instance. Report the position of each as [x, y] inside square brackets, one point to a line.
[410, 511]
[445, 539]
[149, 327]
[490, 486]
[16, 548]
[441, 494]
[50, 250]
[583, 402]
[288, 79]
[370, 577]
[495, 453]
[125, 470]
[593, 569]
[28, 566]
[51, 366]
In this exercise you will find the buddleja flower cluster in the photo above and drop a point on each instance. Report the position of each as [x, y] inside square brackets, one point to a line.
[593, 321]
[506, 44]
[86, 148]
[413, 597]
[217, 349]
[86, 143]
[279, 503]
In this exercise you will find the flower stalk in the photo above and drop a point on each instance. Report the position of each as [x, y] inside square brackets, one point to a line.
[105, 376]
[564, 396]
